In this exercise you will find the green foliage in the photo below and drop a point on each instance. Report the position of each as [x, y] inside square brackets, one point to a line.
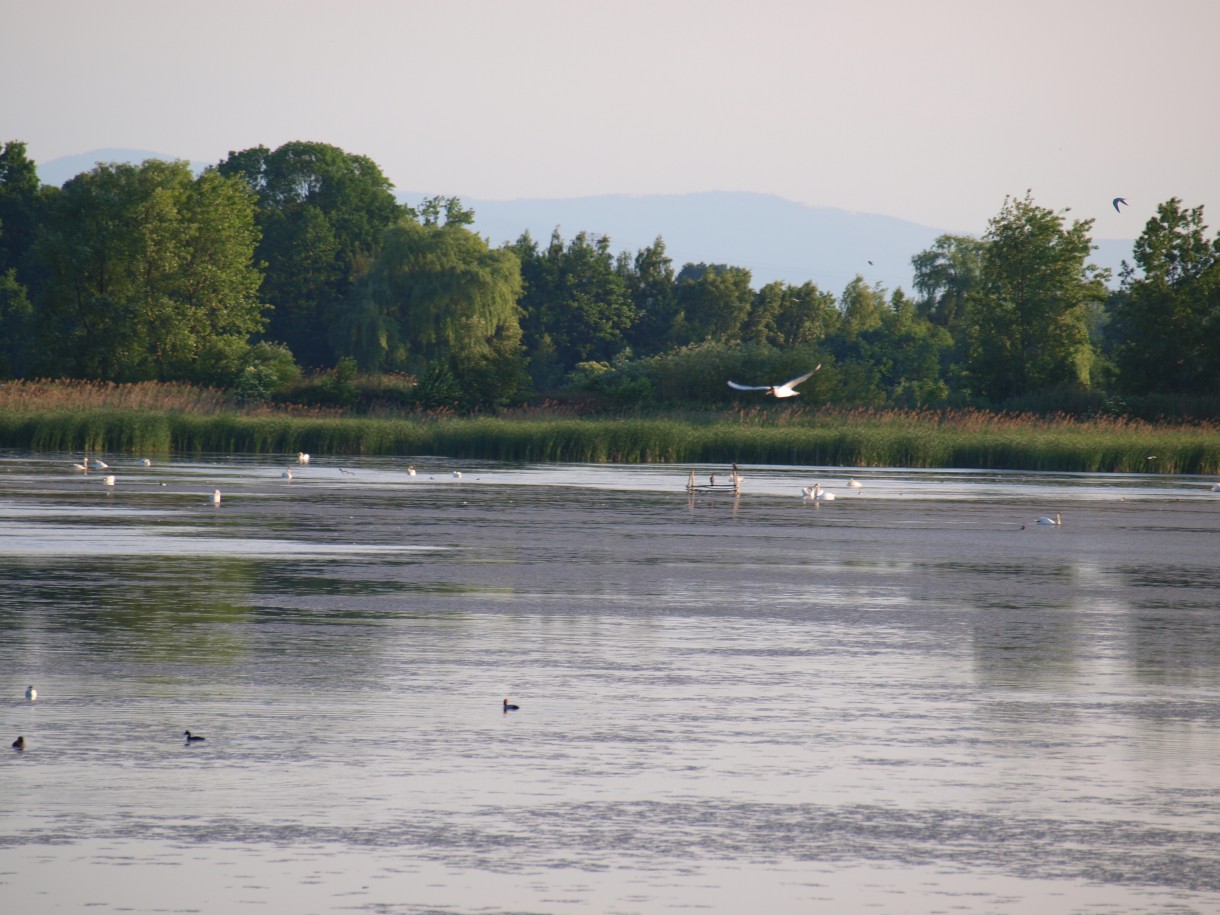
[1028, 319]
[144, 266]
[577, 303]
[438, 294]
[1168, 318]
[322, 212]
[713, 302]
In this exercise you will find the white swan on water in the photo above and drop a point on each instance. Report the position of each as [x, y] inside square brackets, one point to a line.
[302, 457]
[817, 494]
[30, 693]
[1057, 520]
[215, 496]
[287, 474]
[854, 484]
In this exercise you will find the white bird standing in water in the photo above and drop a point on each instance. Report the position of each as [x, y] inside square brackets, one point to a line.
[1057, 520]
[815, 493]
[215, 496]
[30, 693]
[787, 389]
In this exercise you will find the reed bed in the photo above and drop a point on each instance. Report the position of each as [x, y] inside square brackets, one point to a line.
[168, 419]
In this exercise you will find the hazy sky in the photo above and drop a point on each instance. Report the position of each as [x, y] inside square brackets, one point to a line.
[930, 111]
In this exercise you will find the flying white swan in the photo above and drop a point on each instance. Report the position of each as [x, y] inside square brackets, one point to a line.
[787, 389]
[1057, 520]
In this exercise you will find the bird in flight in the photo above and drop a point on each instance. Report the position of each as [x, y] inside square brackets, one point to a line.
[787, 389]
[1117, 201]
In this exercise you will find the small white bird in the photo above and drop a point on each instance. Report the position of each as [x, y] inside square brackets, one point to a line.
[457, 474]
[108, 480]
[146, 462]
[854, 484]
[302, 457]
[30, 693]
[215, 496]
[287, 474]
[99, 465]
[411, 470]
[1057, 520]
[787, 389]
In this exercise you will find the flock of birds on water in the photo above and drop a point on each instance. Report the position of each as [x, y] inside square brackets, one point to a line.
[189, 739]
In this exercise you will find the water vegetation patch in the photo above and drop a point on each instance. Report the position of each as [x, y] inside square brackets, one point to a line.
[151, 419]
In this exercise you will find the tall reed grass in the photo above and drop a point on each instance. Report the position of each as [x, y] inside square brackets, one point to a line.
[164, 419]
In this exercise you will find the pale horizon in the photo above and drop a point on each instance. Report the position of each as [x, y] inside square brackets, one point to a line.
[931, 113]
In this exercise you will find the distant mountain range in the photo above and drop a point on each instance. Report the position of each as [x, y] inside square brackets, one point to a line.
[774, 238]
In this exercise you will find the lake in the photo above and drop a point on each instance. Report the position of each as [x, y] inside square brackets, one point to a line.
[910, 699]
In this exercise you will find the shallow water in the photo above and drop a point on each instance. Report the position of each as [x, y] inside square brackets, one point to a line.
[911, 699]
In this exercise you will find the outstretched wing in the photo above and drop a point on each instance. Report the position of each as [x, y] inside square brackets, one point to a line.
[1117, 201]
[749, 387]
[795, 381]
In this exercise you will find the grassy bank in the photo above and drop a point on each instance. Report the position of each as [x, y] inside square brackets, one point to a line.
[166, 419]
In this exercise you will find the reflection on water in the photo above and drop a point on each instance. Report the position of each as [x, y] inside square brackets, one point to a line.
[900, 701]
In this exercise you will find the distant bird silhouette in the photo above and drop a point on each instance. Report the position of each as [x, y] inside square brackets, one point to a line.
[509, 707]
[99, 465]
[19, 743]
[457, 474]
[1056, 521]
[787, 389]
[287, 474]
[1117, 201]
[30, 693]
[192, 738]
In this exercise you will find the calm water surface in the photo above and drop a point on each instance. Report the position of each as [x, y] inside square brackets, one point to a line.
[912, 699]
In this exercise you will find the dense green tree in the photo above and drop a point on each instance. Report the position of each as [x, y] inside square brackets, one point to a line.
[864, 307]
[322, 213]
[946, 275]
[577, 303]
[650, 282]
[1028, 319]
[146, 267]
[713, 301]
[785, 315]
[1168, 316]
[19, 206]
[438, 296]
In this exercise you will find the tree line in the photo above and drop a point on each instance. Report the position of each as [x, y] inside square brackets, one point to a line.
[275, 263]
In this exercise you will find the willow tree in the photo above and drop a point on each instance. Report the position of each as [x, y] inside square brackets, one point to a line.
[1028, 318]
[437, 296]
